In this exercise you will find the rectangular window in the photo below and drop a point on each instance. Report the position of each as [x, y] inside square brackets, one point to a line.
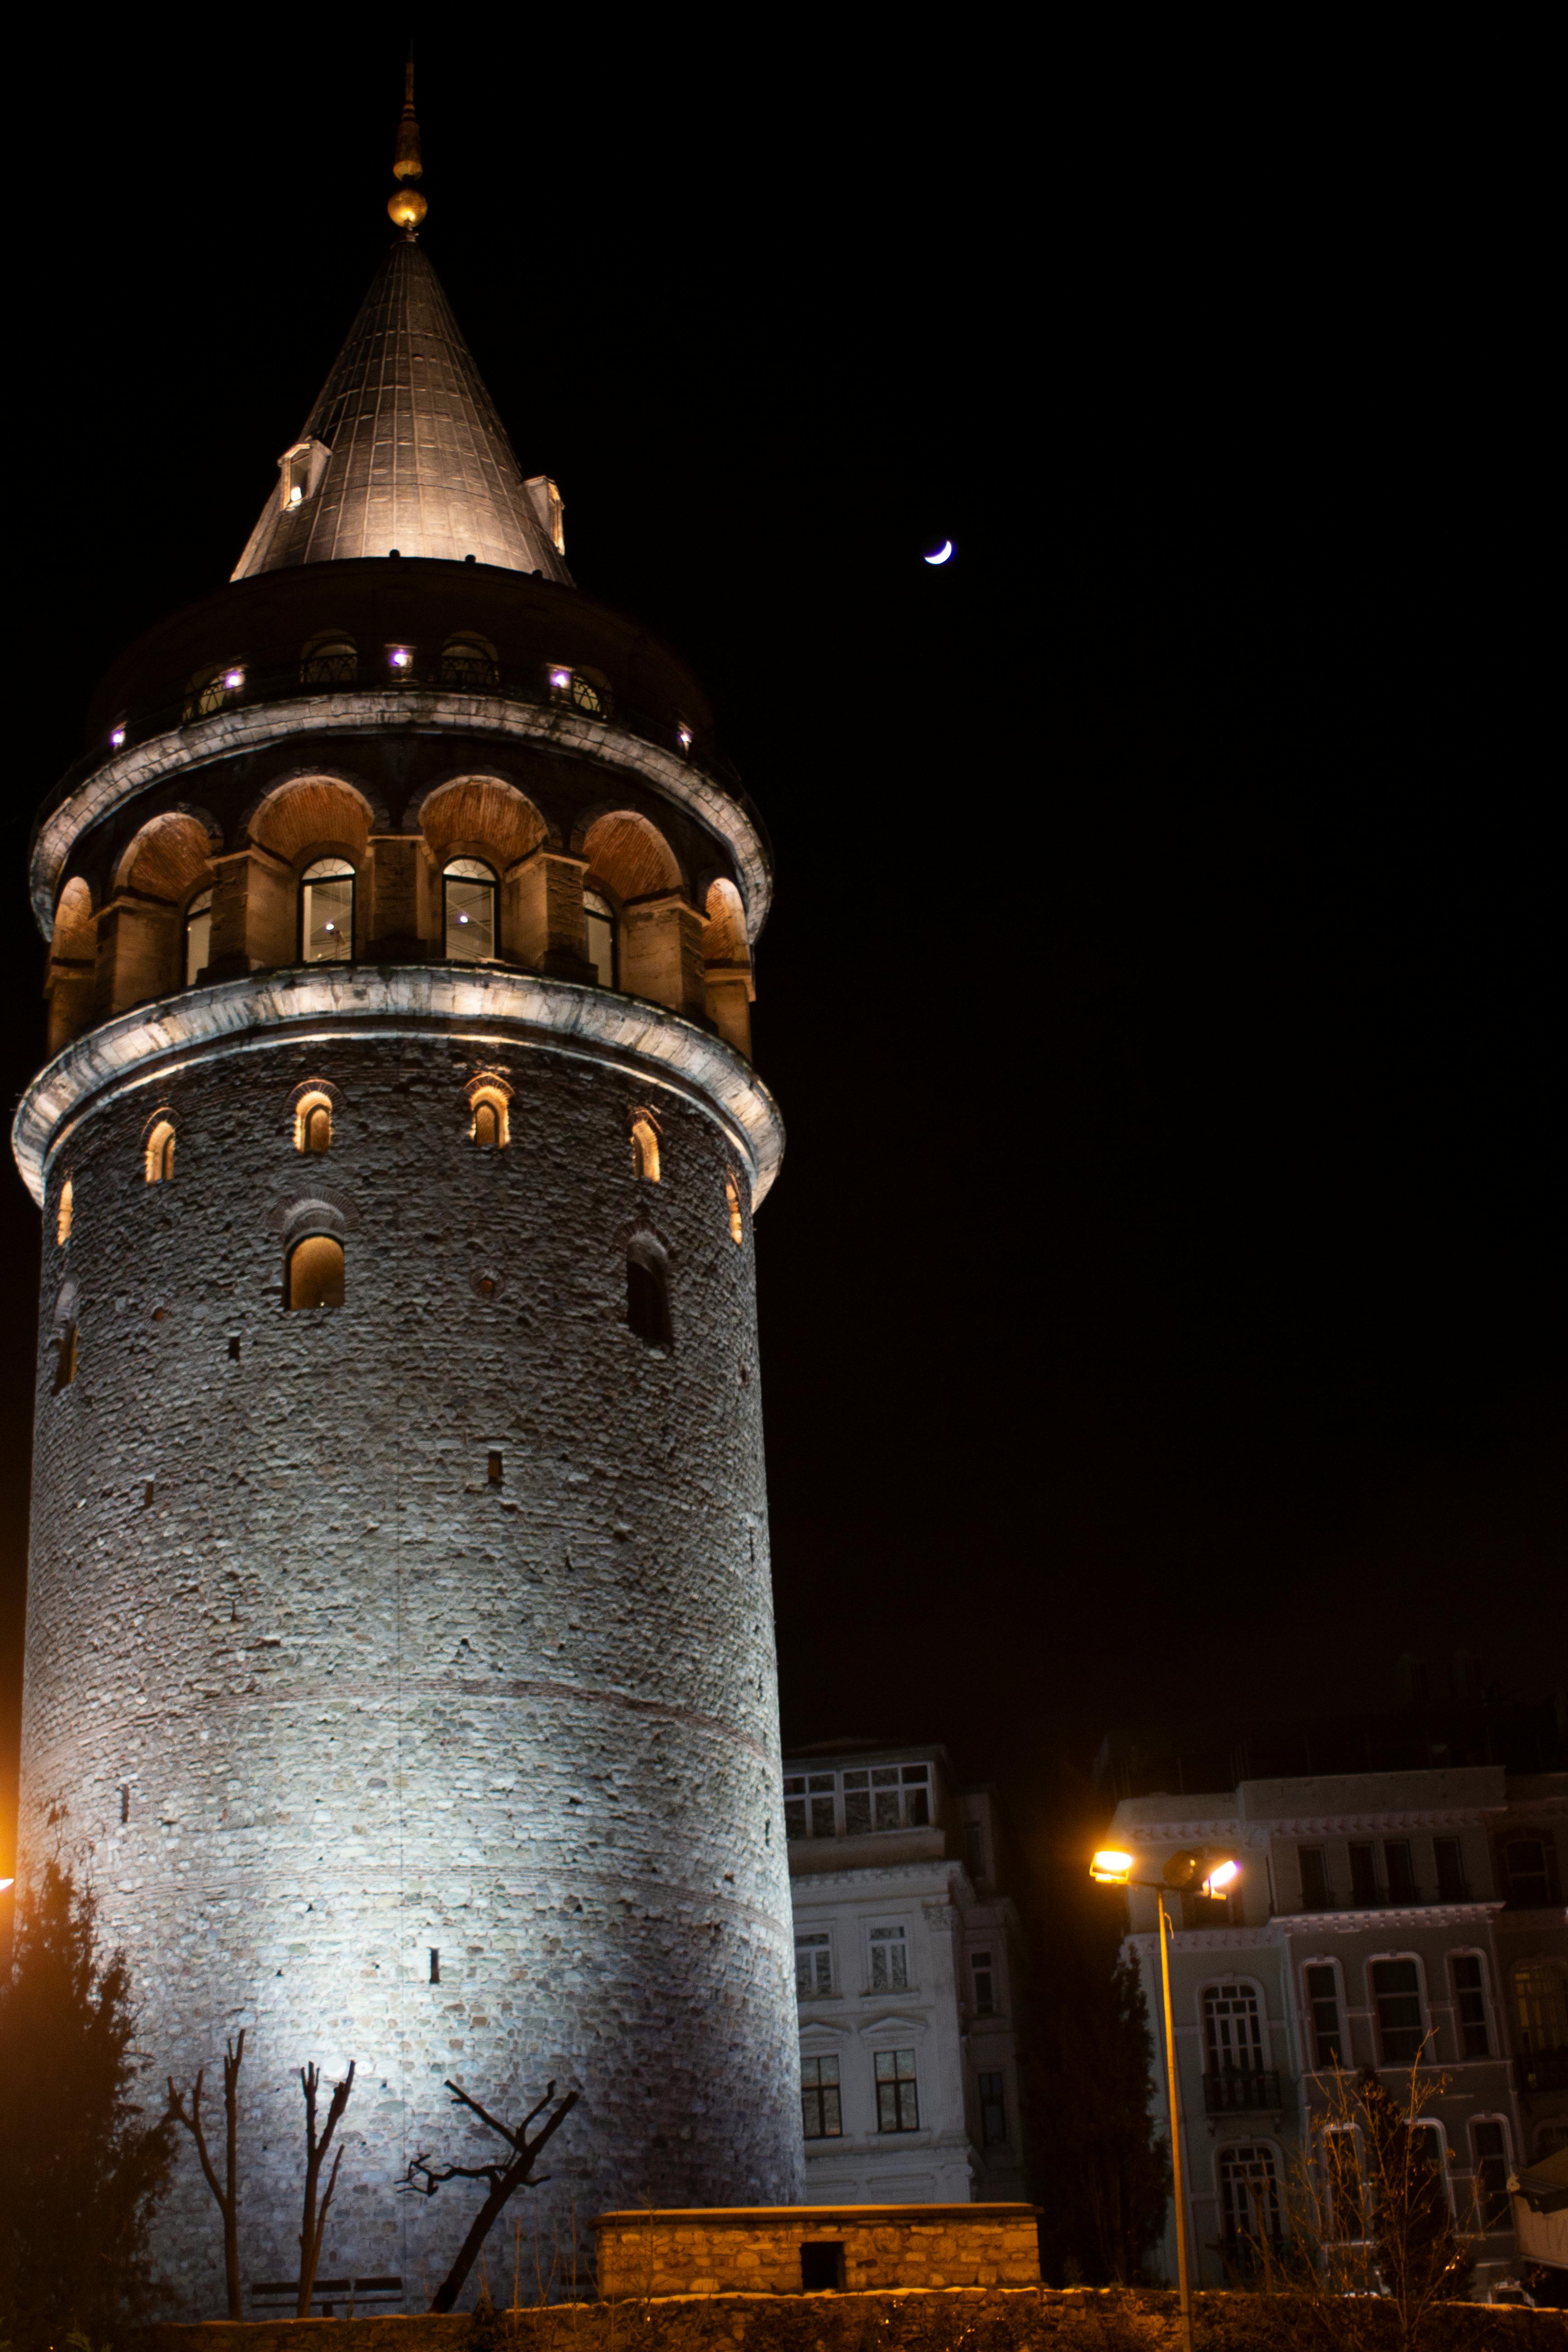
[1396, 1990]
[1314, 1878]
[1400, 1870]
[1363, 1878]
[1491, 2174]
[794, 1807]
[974, 1850]
[1530, 1866]
[898, 2104]
[1469, 1999]
[1450, 1859]
[1342, 2167]
[885, 1795]
[1323, 2005]
[992, 2111]
[889, 1960]
[813, 1965]
[819, 1786]
[917, 1796]
[327, 912]
[984, 1985]
[820, 2114]
[856, 1803]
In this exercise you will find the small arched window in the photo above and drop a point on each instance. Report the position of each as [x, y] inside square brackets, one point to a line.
[159, 1163]
[327, 911]
[599, 922]
[209, 689]
[313, 1123]
[647, 1293]
[733, 1203]
[331, 660]
[198, 936]
[490, 1128]
[469, 887]
[64, 1212]
[645, 1149]
[470, 660]
[316, 1272]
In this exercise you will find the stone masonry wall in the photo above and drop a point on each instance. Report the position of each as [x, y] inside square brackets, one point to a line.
[310, 1698]
[711, 2254]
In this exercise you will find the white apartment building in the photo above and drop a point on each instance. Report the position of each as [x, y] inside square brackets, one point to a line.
[906, 1965]
[1379, 1917]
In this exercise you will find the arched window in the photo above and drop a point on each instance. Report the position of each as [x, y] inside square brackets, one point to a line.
[490, 1126]
[580, 690]
[313, 1123]
[647, 1293]
[1249, 2198]
[316, 1272]
[1540, 2005]
[331, 660]
[210, 688]
[733, 1203]
[645, 1149]
[599, 922]
[327, 911]
[198, 936]
[469, 888]
[470, 660]
[159, 1163]
[64, 1212]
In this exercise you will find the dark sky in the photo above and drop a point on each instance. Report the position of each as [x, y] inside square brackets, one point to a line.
[1161, 1298]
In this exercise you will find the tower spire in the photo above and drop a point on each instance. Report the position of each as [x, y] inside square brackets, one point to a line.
[406, 206]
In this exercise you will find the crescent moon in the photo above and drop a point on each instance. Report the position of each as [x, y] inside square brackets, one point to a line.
[943, 551]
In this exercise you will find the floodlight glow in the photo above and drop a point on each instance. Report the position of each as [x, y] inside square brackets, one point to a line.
[560, 677]
[117, 737]
[1110, 1867]
[399, 657]
[685, 735]
[1223, 1875]
[234, 679]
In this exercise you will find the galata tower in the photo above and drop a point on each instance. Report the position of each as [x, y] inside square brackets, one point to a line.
[400, 1658]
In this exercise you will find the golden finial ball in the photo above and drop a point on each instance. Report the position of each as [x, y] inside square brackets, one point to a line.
[407, 208]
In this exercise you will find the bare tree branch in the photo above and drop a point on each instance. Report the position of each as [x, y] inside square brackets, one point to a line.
[227, 2194]
[313, 2225]
[422, 2179]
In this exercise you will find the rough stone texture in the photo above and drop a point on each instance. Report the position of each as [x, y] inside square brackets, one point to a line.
[884, 2245]
[357, 1702]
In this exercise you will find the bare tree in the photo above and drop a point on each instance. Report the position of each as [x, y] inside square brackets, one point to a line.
[313, 2226]
[505, 2178]
[227, 2196]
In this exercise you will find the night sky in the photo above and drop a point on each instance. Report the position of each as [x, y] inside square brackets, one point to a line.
[1161, 1300]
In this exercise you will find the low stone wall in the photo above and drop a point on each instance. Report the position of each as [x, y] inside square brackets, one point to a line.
[784, 2249]
[957, 2319]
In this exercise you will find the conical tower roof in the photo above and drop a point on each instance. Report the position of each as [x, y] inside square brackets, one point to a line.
[403, 450]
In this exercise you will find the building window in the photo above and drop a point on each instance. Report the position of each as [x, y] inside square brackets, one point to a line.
[1314, 1878]
[1530, 1868]
[198, 936]
[974, 1850]
[1400, 1870]
[645, 1151]
[469, 661]
[1324, 2007]
[1232, 2033]
[64, 1355]
[733, 1204]
[813, 1964]
[331, 660]
[491, 1126]
[984, 1985]
[1396, 1991]
[647, 1293]
[468, 888]
[159, 1159]
[1540, 2005]
[313, 1123]
[821, 2116]
[316, 1272]
[64, 1212]
[1450, 1859]
[889, 1960]
[1250, 2195]
[1470, 1999]
[599, 923]
[1363, 1877]
[992, 2111]
[1344, 2199]
[327, 911]
[886, 1797]
[578, 690]
[1490, 2142]
[897, 2101]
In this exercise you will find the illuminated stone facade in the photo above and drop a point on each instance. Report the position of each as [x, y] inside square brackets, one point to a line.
[404, 1670]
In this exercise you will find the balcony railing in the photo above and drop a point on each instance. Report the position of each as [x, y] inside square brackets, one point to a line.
[1542, 2070]
[1232, 2093]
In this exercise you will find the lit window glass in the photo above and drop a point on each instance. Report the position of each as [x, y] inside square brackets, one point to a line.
[198, 935]
[600, 922]
[327, 911]
[471, 893]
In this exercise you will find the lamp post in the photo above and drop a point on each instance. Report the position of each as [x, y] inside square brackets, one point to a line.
[1181, 1875]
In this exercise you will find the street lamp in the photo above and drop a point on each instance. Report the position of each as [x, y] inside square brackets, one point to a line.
[1181, 1876]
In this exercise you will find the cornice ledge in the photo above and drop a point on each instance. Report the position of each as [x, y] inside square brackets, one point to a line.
[263, 1007]
[1373, 1821]
[1211, 1939]
[255, 725]
[1390, 1915]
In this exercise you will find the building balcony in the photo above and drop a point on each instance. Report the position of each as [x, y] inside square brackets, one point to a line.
[1235, 2092]
[1542, 2070]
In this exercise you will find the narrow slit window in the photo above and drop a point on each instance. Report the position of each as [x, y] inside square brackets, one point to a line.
[470, 889]
[159, 1162]
[65, 1359]
[327, 911]
[234, 1351]
[316, 1272]
[1323, 2006]
[149, 1488]
[434, 1965]
[645, 1149]
[198, 936]
[599, 924]
[648, 1295]
[313, 1123]
[64, 1212]
[1470, 1998]
[493, 1471]
[733, 1205]
[124, 1806]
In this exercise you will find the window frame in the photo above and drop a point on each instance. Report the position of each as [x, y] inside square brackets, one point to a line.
[308, 1103]
[985, 1982]
[296, 1242]
[1233, 2151]
[1423, 2053]
[822, 2092]
[603, 910]
[1551, 1870]
[998, 2075]
[1259, 2013]
[1342, 2014]
[158, 1142]
[1480, 1990]
[904, 2087]
[1321, 1855]
[818, 1942]
[885, 1938]
[491, 881]
[1499, 2124]
[196, 912]
[311, 876]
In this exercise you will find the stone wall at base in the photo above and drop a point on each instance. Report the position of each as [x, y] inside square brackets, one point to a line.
[758, 2248]
[997, 2319]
